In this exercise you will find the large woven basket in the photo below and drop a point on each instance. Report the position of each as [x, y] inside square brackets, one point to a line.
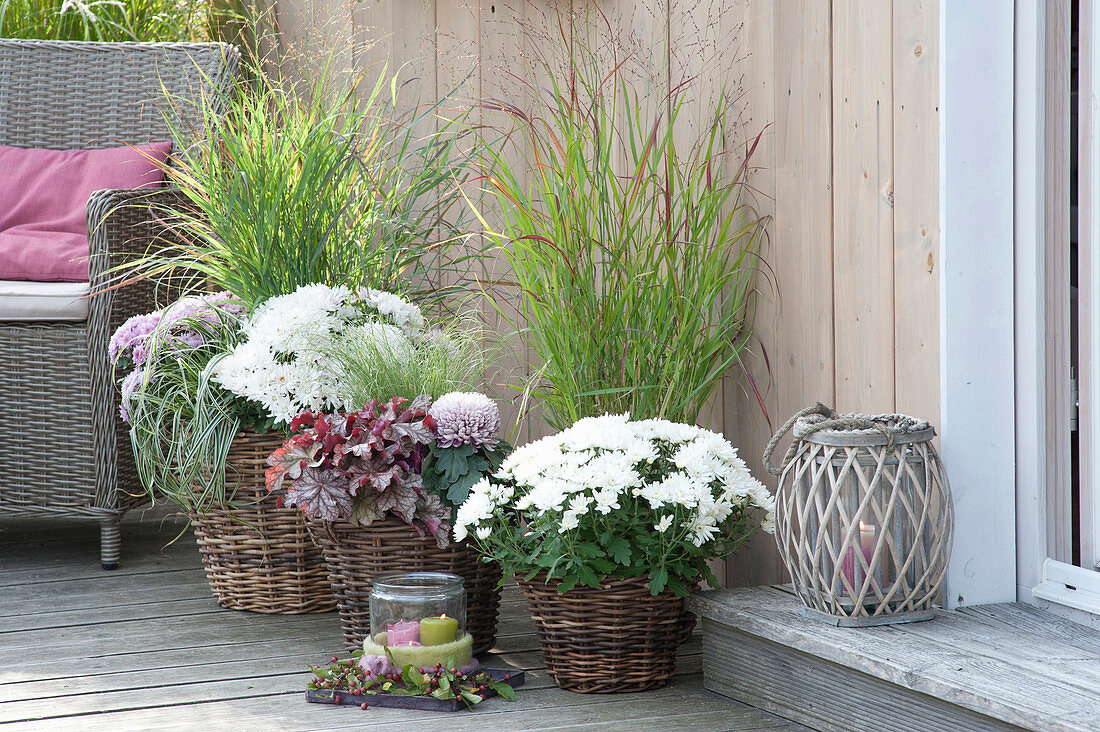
[259, 556]
[618, 638]
[355, 555]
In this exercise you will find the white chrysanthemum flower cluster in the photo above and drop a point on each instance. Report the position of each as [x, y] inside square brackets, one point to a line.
[278, 362]
[399, 311]
[692, 479]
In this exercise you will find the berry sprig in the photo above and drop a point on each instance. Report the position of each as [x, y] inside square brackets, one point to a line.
[442, 682]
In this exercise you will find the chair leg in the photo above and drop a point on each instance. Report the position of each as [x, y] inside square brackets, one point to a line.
[110, 542]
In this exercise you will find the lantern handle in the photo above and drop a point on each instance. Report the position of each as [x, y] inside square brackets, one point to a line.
[831, 422]
[819, 408]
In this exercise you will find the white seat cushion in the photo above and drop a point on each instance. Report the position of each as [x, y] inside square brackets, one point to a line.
[26, 300]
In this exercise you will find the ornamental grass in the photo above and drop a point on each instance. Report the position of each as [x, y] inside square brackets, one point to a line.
[633, 253]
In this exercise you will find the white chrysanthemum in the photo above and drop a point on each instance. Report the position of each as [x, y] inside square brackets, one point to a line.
[607, 500]
[662, 429]
[399, 311]
[477, 507]
[600, 465]
[570, 520]
[703, 529]
[609, 432]
[279, 363]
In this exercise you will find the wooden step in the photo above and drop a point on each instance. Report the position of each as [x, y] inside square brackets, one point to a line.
[992, 667]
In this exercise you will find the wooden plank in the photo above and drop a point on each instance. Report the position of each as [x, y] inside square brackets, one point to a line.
[61, 570]
[811, 693]
[89, 594]
[137, 636]
[916, 153]
[30, 668]
[752, 23]
[534, 709]
[863, 224]
[83, 618]
[801, 241]
[69, 687]
[803, 229]
[505, 76]
[989, 668]
[1056, 249]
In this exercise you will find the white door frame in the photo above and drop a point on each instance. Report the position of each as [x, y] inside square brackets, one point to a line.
[977, 421]
[996, 405]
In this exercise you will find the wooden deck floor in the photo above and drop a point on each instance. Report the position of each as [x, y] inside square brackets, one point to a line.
[147, 647]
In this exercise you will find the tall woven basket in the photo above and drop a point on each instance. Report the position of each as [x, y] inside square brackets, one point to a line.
[618, 638]
[863, 516]
[355, 555]
[258, 556]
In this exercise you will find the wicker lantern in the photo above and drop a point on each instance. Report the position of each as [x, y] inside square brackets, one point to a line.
[863, 516]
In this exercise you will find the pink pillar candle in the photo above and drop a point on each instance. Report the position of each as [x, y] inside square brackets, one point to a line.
[403, 633]
[852, 572]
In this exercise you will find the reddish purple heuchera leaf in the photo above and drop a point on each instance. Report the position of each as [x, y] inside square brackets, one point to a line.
[359, 466]
[321, 494]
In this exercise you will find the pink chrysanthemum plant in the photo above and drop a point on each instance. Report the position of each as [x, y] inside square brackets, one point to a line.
[362, 466]
[467, 446]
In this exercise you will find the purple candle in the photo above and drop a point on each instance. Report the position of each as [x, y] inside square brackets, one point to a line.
[403, 633]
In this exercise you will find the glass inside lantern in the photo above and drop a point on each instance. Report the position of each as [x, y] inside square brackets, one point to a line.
[419, 618]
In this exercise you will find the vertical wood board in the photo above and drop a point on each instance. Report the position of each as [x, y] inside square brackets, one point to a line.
[863, 200]
[916, 208]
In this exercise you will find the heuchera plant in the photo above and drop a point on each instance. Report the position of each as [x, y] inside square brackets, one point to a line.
[360, 466]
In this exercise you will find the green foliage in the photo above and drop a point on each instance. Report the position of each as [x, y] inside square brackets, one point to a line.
[452, 471]
[633, 253]
[621, 544]
[371, 368]
[108, 20]
[182, 424]
[314, 182]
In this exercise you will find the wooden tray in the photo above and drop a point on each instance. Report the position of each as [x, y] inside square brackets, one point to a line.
[400, 701]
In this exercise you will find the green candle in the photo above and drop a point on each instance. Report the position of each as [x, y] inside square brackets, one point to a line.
[437, 631]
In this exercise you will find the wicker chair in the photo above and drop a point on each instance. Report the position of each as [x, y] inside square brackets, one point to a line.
[63, 450]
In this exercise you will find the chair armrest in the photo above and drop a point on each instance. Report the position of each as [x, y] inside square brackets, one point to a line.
[123, 224]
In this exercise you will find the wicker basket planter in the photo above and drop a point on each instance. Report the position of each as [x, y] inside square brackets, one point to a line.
[257, 556]
[355, 555]
[618, 638]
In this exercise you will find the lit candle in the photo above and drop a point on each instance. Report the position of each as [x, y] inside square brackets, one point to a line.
[867, 545]
[403, 633]
[437, 631]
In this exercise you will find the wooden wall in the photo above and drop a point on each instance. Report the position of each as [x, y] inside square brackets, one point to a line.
[846, 94]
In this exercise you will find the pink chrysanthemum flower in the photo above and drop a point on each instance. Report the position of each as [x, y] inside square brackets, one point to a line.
[466, 418]
[130, 339]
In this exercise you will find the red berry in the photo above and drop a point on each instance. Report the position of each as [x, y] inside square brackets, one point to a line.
[334, 659]
[363, 706]
[337, 697]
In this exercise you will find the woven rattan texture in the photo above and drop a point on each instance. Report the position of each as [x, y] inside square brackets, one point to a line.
[865, 530]
[65, 95]
[258, 556]
[617, 638]
[71, 94]
[355, 555]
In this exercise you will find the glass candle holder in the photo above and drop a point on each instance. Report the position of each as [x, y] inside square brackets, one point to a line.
[419, 618]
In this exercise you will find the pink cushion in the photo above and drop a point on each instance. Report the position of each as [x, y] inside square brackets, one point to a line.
[43, 204]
